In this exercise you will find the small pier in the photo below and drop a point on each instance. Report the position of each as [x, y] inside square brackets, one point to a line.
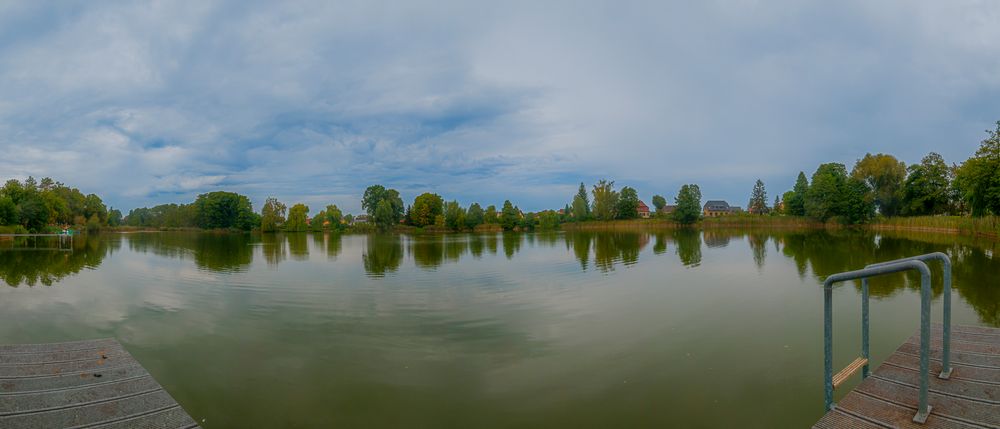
[888, 397]
[82, 384]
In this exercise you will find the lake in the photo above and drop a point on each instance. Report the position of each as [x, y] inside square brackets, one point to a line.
[613, 329]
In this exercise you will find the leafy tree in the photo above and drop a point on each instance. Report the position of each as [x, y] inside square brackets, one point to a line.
[795, 202]
[474, 216]
[386, 214]
[297, 218]
[334, 216]
[454, 216]
[776, 208]
[93, 206]
[548, 220]
[884, 175]
[528, 222]
[824, 198]
[8, 211]
[927, 188]
[114, 217]
[758, 199]
[349, 218]
[94, 223]
[491, 215]
[628, 204]
[384, 217]
[272, 215]
[222, 210]
[426, 207]
[510, 217]
[659, 203]
[605, 200]
[857, 204]
[316, 224]
[688, 202]
[581, 210]
[978, 179]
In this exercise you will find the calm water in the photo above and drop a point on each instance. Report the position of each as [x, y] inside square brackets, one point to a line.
[674, 329]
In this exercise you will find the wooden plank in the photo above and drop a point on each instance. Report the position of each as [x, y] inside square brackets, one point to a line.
[849, 370]
[94, 384]
[888, 398]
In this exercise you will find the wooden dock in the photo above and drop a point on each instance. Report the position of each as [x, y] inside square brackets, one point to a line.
[83, 384]
[970, 398]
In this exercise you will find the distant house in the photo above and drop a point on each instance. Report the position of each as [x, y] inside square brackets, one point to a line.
[715, 208]
[643, 210]
[669, 209]
[360, 219]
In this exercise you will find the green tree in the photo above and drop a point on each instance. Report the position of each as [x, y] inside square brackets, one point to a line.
[510, 217]
[114, 217]
[222, 210]
[93, 206]
[425, 208]
[884, 175]
[776, 208]
[316, 223]
[8, 211]
[474, 216]
[795, 202]
[272, 215]
[583, 211]
[605, 200]
[659, 203]
[928, 187]
[978, 179]
[825, 196]
[758, 199]
[628, 204]
[548, 220]
[857, 203]
[688, 202]
[386, 214]
[454, 216]
[334, 216]
[528, 222]
[491, 217]
[297, 218]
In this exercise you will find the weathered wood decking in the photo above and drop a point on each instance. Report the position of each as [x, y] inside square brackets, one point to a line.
[83, 384]
[888, 397]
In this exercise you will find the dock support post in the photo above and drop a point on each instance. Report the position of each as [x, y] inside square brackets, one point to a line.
[865, 351]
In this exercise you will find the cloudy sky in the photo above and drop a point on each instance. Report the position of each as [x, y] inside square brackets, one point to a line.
[152, 102]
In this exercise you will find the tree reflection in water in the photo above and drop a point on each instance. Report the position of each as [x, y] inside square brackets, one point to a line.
[34, 260]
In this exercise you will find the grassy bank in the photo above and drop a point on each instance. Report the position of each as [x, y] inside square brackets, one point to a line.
[736, 221]
[988, 226]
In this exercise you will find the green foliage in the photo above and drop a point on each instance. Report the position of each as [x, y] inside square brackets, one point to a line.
[475, 216]
[94, 223]
[659, 203]
[316, 223]
[114, 217]
[688, 202]
[35, 205]
[884, 175]
[223, 210]
[272, 215]
[825, 195]
[978, 179]
[857, 204]
[334, 216]
[454, 216]
[795, 201]
[491, 216]
[297, 218]
[425, 208]
[581, 211]
[383, 215]
[927, 187]
[758, 199]
[528, 222]
[548, 220]
[628, 204]
[605, 200]
[510, 216]
[8, 211]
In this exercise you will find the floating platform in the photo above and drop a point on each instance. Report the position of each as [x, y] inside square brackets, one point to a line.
[82, 384]
[970, 398]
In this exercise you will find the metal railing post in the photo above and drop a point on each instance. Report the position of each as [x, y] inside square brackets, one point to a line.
[923, 409]
[865, 351]
[946, 317]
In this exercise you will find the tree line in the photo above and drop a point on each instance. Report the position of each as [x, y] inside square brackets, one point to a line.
[40, 206]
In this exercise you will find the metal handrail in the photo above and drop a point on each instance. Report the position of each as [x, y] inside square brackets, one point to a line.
[945, 319]
[923, 410]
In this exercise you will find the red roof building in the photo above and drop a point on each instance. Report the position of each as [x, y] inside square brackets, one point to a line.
[643, 210]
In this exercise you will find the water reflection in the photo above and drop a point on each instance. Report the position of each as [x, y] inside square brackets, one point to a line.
[46, 260]
[814, 254]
